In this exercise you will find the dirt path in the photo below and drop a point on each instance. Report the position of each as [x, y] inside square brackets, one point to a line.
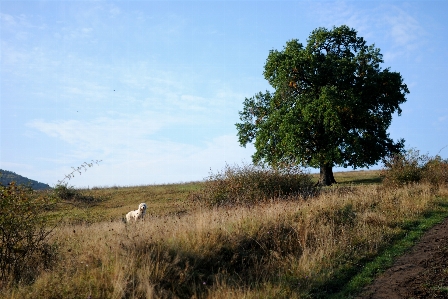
[421, 273]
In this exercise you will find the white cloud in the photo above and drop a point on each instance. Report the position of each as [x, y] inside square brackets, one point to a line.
[11, 56]
[104, 131]
[190, 102]
[132, 151]
[157, 162]
[140, 130]
[404, 31]
[7, 20]
[342, 13]
[441, 123]
[72, 33]
[114, 11]
[383, 23]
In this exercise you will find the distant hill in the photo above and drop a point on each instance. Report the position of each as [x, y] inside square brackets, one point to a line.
[7, 177]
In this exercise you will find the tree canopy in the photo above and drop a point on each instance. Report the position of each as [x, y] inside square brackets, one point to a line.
[331, 106]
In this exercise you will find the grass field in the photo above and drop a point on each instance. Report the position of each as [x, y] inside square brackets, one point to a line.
[114, 202]
[292, 248]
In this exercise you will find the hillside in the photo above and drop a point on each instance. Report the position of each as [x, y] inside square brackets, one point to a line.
[330, 245]
[7, 177]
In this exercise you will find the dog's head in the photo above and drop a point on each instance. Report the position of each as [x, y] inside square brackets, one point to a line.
[142, 207]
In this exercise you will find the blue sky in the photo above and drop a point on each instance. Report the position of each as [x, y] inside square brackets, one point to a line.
[153, 88]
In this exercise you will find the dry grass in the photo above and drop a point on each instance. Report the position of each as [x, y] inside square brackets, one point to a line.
[277, 249]
[115, 202]
[358, 177]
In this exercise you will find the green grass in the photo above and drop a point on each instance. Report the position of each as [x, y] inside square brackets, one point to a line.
[115, 202]
[358, 177]
[411, 235]
[361, 177]
[443, 289]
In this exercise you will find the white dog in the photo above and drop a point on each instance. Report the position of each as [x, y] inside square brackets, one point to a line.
[137, 214]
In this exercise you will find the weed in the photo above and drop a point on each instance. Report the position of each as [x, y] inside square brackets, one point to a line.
[84, 166]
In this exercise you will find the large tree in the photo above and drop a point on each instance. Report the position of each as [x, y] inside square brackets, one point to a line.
[331, 106]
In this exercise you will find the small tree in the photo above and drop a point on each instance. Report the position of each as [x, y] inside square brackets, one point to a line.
[332, 105]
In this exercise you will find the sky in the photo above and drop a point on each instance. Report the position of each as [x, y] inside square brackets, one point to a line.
[152, 89]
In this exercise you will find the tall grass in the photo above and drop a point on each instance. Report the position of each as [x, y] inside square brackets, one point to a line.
[276, 249]
[246, 232]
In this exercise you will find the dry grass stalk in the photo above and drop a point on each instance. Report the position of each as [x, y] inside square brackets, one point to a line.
[282, 249]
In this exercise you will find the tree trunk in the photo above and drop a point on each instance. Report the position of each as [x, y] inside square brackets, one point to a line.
[326, 175]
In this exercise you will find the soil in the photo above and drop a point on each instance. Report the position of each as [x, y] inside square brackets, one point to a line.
[420, 273]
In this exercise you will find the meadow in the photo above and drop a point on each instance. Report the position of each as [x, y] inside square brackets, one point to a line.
[324, 246]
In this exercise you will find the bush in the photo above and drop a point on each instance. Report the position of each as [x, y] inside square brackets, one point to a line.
[435, 171]
[69, 193]
[24, 232]
[65, 192]
[411, 167]
[248, 184]
[402, 169]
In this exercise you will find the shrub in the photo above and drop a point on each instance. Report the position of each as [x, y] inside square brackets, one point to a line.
[24, 232]
[402, 169]
[411, 167]
[248, 184]
[435, 171]
[66, 192]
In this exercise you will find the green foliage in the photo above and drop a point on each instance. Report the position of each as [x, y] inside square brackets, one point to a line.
[411, 167]
[332, 104]
[249, 184]
[25, 227]
[24, 232]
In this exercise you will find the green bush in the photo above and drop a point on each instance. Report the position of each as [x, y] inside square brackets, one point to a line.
[24, 232]
[248, 184]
